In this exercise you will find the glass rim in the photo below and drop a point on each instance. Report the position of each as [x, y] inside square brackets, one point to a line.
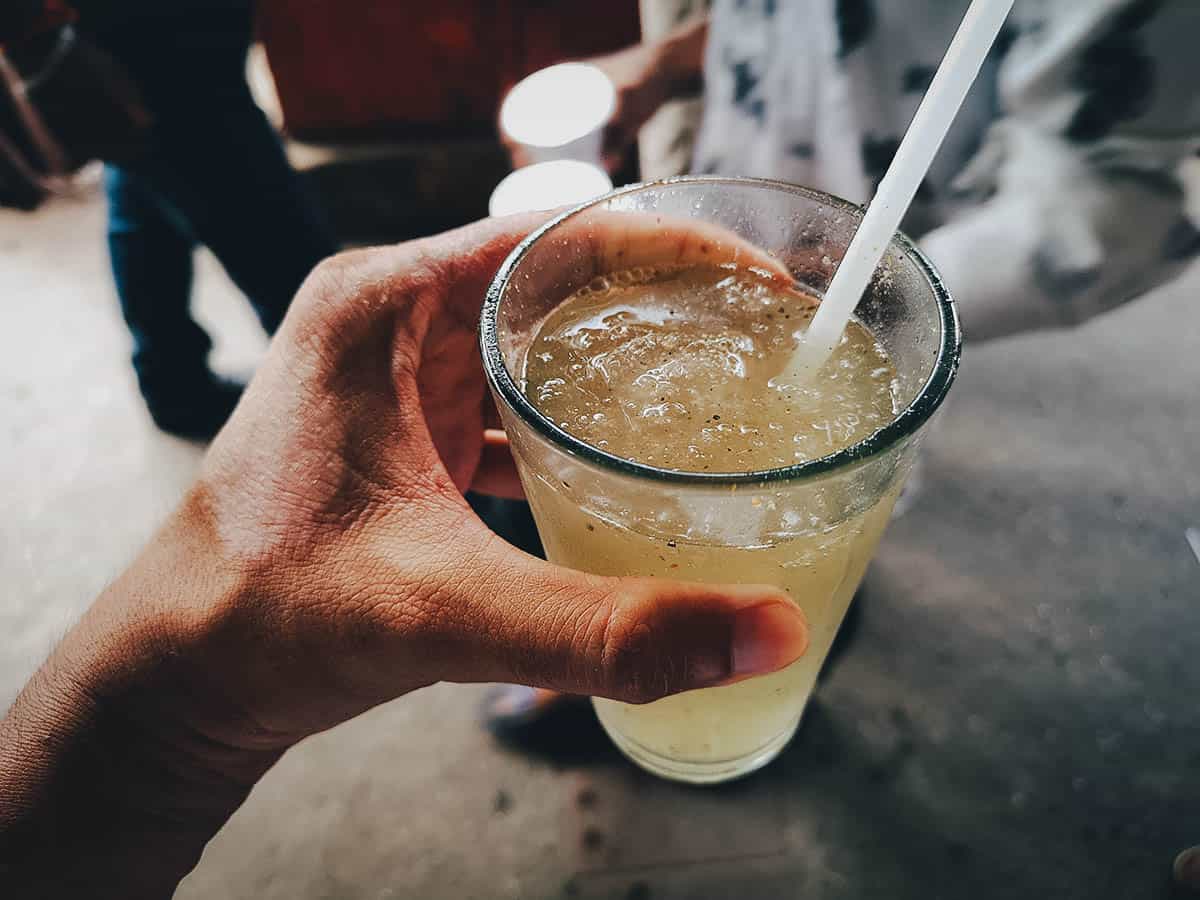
[904, 425]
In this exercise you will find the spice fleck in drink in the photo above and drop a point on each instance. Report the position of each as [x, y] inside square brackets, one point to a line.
[682, 368]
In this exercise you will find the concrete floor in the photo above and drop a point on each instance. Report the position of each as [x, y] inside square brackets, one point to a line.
[1016, 715]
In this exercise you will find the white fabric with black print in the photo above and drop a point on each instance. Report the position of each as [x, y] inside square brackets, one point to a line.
[1056, 194]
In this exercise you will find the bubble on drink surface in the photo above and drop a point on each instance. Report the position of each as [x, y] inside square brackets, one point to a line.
[549, 389]
[638, 275]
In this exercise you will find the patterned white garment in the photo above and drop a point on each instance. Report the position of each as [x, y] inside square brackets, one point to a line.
[1056, 195]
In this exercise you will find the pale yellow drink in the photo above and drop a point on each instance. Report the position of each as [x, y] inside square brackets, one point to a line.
[681, 369]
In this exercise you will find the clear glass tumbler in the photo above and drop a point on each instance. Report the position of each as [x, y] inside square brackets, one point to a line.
[810, 529]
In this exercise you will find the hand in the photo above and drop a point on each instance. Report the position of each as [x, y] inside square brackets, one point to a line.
[325, 562]
[644, 76]
[338, 485]
[642, 84]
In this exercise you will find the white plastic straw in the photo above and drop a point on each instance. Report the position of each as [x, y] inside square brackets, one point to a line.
[954, 77]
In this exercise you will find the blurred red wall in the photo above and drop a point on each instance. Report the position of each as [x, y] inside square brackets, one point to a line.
[376, 68]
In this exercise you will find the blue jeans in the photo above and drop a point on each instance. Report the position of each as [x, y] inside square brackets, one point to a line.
[216, 175]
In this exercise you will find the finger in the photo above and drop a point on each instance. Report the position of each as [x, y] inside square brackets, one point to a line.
[617, 240]
[464, 261]
[497, 472]
[632, 639]
[611, 240]
[435, 280]
[457, 265]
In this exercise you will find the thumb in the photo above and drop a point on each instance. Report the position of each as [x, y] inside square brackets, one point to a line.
[631, 639]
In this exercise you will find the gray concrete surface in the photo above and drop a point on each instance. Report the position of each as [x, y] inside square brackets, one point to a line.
[1016, 714]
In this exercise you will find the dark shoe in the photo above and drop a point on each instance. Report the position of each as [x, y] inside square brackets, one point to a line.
[194, 408]
[561, 729]
[509, 709]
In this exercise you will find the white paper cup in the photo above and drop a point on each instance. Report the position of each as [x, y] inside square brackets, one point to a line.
[548, 185]
[560, 113]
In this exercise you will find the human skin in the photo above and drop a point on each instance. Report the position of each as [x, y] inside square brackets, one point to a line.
[324, 562]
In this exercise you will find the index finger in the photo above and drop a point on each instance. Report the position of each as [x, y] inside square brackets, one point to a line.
[630, 239]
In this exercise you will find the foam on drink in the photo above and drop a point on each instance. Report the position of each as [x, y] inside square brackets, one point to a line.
[684, 369]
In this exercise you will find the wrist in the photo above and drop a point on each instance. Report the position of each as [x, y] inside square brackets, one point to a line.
[177, 614]
[119, 732]
[679, 60]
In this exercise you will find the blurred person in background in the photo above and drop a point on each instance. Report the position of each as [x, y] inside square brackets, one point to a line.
[159, 91]
[1056, 196]
[1060, 172]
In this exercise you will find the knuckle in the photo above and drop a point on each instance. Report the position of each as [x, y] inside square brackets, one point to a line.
[328, 289]
[334, 276]
[634, 662]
